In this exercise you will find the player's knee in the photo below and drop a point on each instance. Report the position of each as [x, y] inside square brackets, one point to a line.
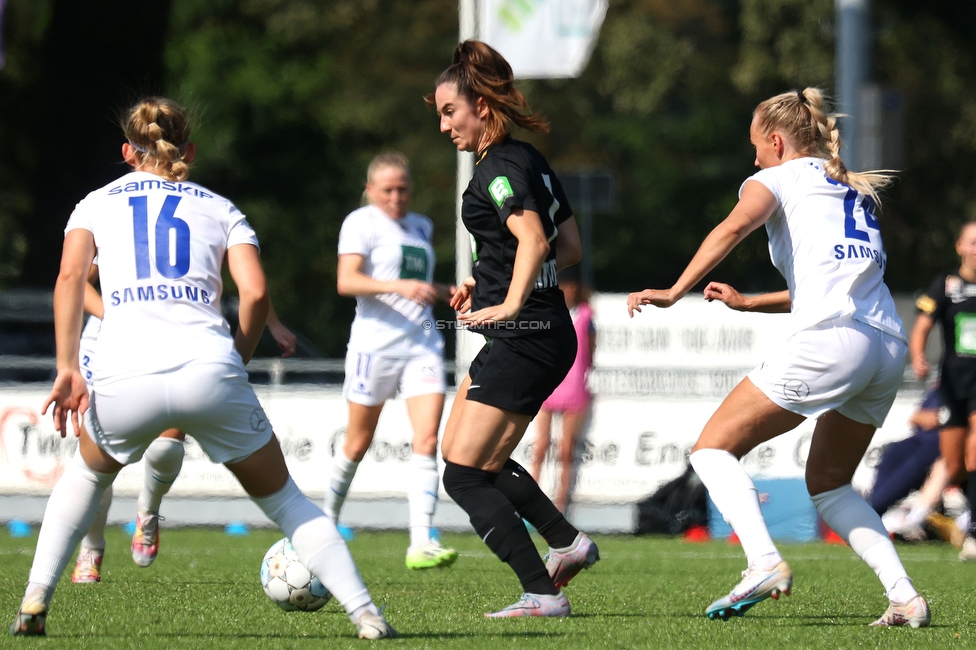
[425, 443]
[821, 482]
[165, 456]
[492, 516]
[460, 481]
[355, 448]
[566, 455]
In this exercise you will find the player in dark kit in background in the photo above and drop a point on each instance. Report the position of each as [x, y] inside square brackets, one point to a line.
[951, 302]
[524, 231]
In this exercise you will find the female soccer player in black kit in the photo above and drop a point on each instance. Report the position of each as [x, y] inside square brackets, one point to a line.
[951, 302]
[523, 231]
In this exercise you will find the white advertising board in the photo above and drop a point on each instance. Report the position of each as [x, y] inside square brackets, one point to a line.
[657, 379]
[631, 447]
[691, 334]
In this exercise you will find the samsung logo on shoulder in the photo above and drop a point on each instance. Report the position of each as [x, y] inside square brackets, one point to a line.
[169, 186]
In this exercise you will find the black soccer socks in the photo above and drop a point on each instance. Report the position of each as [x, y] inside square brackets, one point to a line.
[520, 488]
[498, 524]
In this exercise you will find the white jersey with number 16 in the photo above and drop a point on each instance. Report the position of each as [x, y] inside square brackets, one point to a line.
[160, 247]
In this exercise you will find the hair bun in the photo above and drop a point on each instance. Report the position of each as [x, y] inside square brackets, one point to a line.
[461, 53]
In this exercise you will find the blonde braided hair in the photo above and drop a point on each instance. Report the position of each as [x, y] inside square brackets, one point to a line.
[813, 132]
[158, 130]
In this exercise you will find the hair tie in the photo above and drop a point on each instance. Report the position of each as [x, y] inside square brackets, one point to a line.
[137, 147]
[799, 94]
[144, 150]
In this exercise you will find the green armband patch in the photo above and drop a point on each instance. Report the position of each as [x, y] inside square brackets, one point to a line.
[965, 334]
[500, 189]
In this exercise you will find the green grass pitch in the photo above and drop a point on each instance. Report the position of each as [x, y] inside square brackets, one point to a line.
[204, 592]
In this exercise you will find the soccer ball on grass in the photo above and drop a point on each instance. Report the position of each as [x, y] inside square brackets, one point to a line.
[288, 583]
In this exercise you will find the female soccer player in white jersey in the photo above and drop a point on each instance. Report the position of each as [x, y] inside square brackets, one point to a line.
[842, 364]
[163, 459]
[386, 260]
[523, 230]
[167, 359]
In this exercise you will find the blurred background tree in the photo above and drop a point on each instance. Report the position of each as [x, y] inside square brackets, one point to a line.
[70, 69]
[291, 98]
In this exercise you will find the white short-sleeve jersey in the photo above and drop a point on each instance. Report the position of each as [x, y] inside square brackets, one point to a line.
[392, 249]
[160, 247]
[824, 239]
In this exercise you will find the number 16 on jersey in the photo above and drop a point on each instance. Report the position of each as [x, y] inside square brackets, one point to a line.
[172, 236]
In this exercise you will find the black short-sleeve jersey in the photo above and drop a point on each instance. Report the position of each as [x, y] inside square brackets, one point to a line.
[951, 302]
[508, 175]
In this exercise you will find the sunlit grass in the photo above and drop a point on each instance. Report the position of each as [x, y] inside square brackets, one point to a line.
[204, 591]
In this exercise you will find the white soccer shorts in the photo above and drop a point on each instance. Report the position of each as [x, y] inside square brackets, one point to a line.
[371, 379]
[840, 365]
[86, 359]
[213, 402]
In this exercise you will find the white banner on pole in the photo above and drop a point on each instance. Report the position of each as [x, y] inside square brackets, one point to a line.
[542, 39]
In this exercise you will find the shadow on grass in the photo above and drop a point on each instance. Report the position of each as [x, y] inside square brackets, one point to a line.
[798, 620]
[810, 620]
[303, 637]
[621, 615]
[462, 635]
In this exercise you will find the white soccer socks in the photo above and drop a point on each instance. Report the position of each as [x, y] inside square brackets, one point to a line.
[164, 460]
[96, 534]
[70, 512]
[736, 497]
[850, 516]
[343, 471]
[319, 547]
[422, 496]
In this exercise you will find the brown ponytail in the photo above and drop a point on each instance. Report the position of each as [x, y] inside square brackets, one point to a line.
[480, 71]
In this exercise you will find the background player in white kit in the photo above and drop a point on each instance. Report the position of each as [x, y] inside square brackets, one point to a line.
[167, 358]
[842, 364]
[163, 459]
[386, 260]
